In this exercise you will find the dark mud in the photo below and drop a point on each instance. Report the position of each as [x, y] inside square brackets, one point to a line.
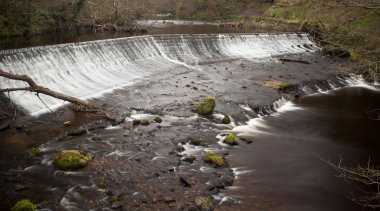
[139, 167]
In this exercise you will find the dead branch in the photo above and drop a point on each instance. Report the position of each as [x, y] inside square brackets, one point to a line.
[366, 175]
[33, 87]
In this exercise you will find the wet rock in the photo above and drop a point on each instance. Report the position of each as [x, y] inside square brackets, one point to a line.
[96, 137]
[145, 122]
[67, 123]
[77, 132]
[4, 126]
[196, 141]
[157, 119]
[215, 159]
[116, 205]
[231, 139]
[204, 203]
[136, 122]
[180, 148]
[226, 119]
[195, 88]
[168, 199]
[71, 160]
[206, 106]
[188, 158]
[154, 200]
[24, 205]
[102, 183]
[34, 151]
[19, 127]
[247, 140]
[185, 182]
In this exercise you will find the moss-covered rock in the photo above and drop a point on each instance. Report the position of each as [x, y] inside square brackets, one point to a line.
[144, 122]
[24, 205]
[71, 159]
[195, 140]
[231, 139]
[216, 160]
[35, 151]
[204, 203]
[226, 119]
[96, 137]
[206, 106]
[157, 119]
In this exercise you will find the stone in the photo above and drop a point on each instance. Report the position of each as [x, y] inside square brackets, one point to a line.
[77, 132]
[145, 122]
[168, 199]
[226, 119]
[71, 160]
[96, 137]
[34, 151]
[157, 119]
[215, 159]
[180, 148]
[185, 182]
[24, 205]
[204, 203]
[231, 139]
[196, 140]
[136, 122]
[205, 106]
[67, 123]
[188, 158]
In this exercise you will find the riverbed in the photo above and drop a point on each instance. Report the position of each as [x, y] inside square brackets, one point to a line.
[320, 114]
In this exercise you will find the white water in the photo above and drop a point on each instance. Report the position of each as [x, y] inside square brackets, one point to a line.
[90, 69]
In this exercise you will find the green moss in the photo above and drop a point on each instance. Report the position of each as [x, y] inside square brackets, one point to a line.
[24, 205]
[67, 123]
[206, 106]
[157, 119]
[35, 151]
[96, 137]
[216, 160]
[226, 119]
[71, 159]
[231, 139]
[102, 184]
[355, 56]
[195, 140]
[144, 122]
[364, 22]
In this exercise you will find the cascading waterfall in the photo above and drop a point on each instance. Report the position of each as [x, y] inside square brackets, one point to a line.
[89, 69]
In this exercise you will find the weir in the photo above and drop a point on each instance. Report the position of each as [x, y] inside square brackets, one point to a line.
[89, 69]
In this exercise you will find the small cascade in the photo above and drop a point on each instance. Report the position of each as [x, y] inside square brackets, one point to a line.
[89, 69]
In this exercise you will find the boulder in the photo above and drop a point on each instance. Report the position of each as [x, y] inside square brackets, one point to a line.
[231, 139]
[226, 120]
[204, 203]
[206, 106]
[24, 205]
[216, 160]
[71, 160]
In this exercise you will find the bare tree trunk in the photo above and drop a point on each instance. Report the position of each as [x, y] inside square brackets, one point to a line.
[33, 87]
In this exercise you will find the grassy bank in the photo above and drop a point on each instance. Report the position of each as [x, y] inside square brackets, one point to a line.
[343, 29]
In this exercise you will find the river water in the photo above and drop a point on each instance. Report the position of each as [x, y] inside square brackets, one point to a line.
[280, 170]
[282, 165]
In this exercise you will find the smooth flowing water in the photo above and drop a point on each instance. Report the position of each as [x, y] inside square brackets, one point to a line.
[282, 168]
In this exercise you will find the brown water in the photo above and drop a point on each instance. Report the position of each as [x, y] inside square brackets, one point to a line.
[285, 173]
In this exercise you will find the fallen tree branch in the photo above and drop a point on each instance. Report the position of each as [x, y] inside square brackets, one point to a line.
[33, 87]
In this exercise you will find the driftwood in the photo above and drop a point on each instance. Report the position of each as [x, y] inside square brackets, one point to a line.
[33, 87]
